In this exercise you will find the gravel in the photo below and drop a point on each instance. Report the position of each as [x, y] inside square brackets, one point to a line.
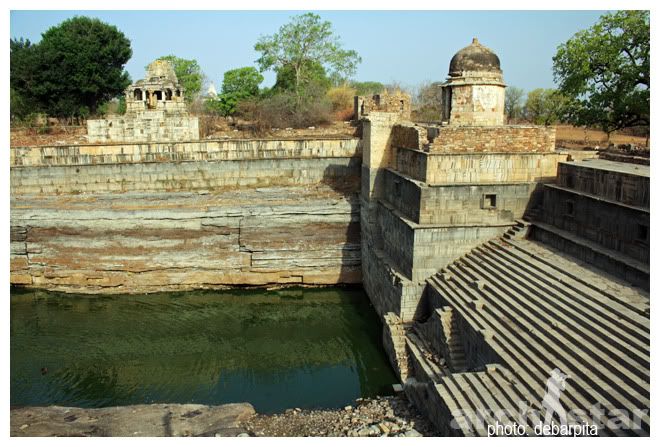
[368, 417]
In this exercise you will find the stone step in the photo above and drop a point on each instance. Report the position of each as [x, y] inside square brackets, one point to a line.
[538, 311]
[522, 366]
[541, 346]
[577, 351]
[552, 262]
[526, 354]
[595, 295]
[607, 318]
[414, 344]
[616, 318]
[517, 353]
[616, 261]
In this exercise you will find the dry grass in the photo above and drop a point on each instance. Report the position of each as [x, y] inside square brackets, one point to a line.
[575, 137]
[48, 135]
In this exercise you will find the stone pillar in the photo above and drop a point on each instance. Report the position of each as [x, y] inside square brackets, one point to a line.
[377, 151]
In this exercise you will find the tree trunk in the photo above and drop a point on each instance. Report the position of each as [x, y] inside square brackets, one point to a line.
[586, 136]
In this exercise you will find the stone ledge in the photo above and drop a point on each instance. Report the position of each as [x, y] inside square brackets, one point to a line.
[133, 420]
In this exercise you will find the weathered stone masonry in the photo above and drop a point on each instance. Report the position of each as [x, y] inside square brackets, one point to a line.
[167, 216]
[480, 306]
[155, 111]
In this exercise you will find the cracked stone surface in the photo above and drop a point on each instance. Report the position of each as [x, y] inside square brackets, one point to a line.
[133, 420]
[145, 242]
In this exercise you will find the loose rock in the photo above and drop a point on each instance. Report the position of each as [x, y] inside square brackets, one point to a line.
[368, 417]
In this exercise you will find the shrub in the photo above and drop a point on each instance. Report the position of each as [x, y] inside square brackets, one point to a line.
[345, 114]
[342, 98]
[286, 109]
[367, 88]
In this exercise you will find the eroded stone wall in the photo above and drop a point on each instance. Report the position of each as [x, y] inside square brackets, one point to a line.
[471, 168]
[395, 102]
[631, 186]
[476, 104]
[494, 139]
[185, 215]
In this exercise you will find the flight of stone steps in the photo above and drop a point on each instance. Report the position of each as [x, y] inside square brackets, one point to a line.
[519, 230]
[537, 311]
[455, 347]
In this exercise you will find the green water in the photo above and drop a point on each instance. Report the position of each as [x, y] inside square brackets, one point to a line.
[308, 348]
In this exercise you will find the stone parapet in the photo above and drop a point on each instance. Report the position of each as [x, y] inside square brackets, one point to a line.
[493, 139]
[206, 150]
[409, 137]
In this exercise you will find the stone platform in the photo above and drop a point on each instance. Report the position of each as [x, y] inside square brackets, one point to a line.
[133, 420]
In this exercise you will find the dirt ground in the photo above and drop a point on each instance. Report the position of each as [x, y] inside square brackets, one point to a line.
[570, 137]
[217, 128]
[55, 135]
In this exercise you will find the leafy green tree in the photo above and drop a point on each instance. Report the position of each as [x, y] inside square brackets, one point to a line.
[545, 106]
[237, 85]
[605, 70]
[300, 44]
[367, 87]
[116, 106]
[513, 104]
[315, 77]
[23, 60]
[242, 81]
[77, 65]
[189, 74]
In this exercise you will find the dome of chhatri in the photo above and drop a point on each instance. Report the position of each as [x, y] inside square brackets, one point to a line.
[474, 57]
[161, 70]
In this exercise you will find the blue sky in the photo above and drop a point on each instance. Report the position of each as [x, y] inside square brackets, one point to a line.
[407, 47]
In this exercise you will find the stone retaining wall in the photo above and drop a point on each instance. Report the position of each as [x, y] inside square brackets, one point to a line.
[471, 168]
[133, 218]
[614, 226]
[458, 204]
[632, 188]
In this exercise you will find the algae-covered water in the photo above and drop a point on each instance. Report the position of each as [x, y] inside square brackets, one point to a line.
[305, 348]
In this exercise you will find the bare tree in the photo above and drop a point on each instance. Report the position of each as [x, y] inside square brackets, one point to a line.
[426, 102]
[513, 103]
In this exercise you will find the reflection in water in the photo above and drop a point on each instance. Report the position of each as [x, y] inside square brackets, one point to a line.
[291, 348]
